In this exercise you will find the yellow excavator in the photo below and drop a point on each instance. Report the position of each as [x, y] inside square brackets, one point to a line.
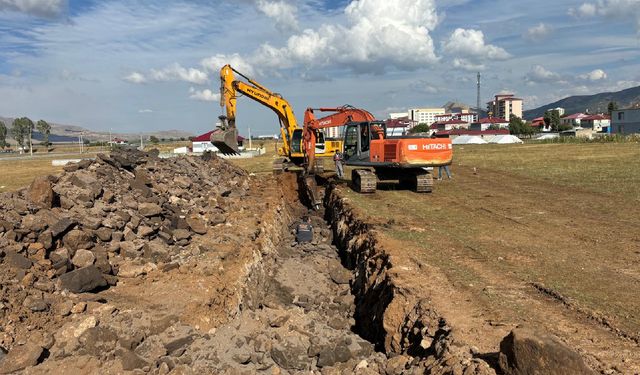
[291, 152]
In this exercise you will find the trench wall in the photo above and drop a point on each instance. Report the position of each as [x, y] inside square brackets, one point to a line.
[387, 313]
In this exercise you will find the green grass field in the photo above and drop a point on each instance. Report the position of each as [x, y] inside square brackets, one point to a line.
[606, 167]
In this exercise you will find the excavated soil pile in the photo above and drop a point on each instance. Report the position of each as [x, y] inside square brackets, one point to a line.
[148, 243]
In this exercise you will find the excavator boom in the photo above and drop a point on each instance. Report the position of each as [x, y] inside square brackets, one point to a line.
[225, 139]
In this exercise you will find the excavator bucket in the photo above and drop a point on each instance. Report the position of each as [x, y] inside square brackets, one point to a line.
[226, 140]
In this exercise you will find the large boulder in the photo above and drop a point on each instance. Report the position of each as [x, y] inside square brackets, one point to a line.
[149, 209]
[21, 357]
[197, 225]
[83, 258]
[84, 279]
[40, 192]
[291, 354]
[61, 226]
[525, 351]
[16, 260]
[77, 239]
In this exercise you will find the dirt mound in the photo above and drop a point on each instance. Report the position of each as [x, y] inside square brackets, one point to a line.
[119, 217]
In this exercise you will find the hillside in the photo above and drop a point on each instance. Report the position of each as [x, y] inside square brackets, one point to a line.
[70, 133]
[594, 103]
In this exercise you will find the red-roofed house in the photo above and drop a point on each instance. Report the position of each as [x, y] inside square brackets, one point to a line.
[487, 122]
[118, 141]
[573, 120]
[203, 143]
[597, 123]
[399, 126]
[481, 133]
[449, 125]
[539, 124]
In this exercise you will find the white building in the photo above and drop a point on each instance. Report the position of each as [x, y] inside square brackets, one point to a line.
[597, 123]
[425, 115]
[334, 132]
[466, 116]
[625, 121]
[397, 115]
[560, 111]
[573, 120]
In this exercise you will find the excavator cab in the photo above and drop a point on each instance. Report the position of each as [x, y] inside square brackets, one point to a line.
[225, 138]
[357, 139]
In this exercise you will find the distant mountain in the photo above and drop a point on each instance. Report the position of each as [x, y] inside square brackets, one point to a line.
[70, 133]
[451, 107]
[592, 103]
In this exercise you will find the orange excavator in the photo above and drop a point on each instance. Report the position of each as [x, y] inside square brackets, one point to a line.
[407, 159]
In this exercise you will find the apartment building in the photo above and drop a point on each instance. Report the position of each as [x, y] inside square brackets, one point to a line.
[425, 115]
[504, 106]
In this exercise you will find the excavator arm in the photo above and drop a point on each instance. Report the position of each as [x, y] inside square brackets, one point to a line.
[341, 117]
[230, 88]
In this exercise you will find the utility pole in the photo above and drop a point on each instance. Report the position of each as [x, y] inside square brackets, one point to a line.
[110, 144]
[478, 97]
[30, 143]
[250, 145]
[141, 145]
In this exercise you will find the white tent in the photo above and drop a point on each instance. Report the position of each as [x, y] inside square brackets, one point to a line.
[547, 136]
[505, 139]
[468, 140]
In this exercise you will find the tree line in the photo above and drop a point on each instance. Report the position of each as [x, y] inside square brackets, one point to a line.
[22, 131]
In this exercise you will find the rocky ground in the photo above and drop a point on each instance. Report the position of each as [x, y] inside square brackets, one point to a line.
[136, 264]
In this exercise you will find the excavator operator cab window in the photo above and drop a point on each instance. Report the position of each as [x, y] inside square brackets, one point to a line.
[366, 135]
[350, 141]
[320, 142]
[296, 141]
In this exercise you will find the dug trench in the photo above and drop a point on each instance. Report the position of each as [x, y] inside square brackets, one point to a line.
[135, 264]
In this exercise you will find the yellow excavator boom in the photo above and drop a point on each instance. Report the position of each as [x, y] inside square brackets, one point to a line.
[229, 89]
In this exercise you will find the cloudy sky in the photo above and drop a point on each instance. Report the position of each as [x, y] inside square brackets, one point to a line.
[130, 65]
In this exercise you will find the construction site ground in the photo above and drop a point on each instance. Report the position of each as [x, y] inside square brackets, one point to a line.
[540, 236]
[545, 236]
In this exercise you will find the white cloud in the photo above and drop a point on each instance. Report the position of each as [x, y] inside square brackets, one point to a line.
[426, 87]
[40, 8]
[614, 9]
[378, 34]
[175, 72]
[469, 51]
[146, 110]
[135, 77]
[205, 95]
[539, 73]
[584, 10]
[470, 43]
[214, 63]
[283, 13]
[594, 75]
[467, 65]
[538, 32]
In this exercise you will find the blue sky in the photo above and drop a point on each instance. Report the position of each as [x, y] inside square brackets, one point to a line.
[142, 65]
